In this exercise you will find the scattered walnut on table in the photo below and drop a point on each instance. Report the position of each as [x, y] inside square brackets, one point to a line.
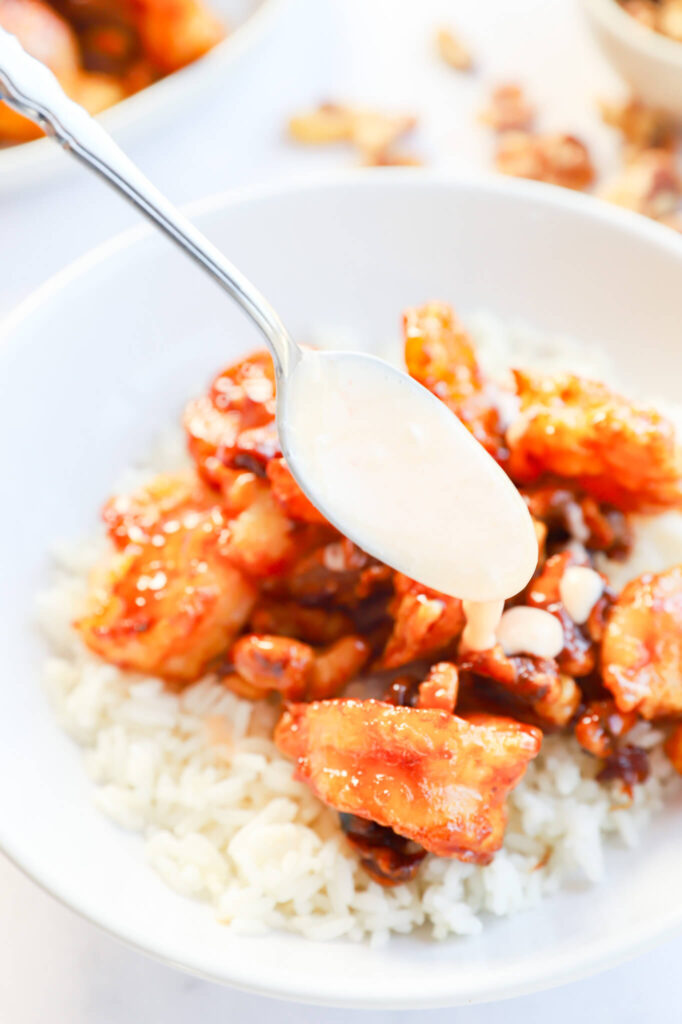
[649, 184]
[508, 109]
[642, 127]
[453, 51]
[558, 159]
[373, 133]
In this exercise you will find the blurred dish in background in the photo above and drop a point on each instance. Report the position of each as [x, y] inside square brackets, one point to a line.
[131, 59]
[104, 50]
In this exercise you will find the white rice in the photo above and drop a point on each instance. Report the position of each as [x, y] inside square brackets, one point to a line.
[222, 820]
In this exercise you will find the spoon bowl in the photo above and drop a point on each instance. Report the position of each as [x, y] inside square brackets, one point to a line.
[398, 473]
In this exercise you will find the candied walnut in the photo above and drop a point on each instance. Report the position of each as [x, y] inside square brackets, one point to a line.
[234, 420]
[579, 655]
[388, 858]
[338, 665]
[535, 682]
[641, 126]
[439, 689]
[557, 159]
[568, 514]
[425, 622]
[372, 132]
[623, 453]
[509, 110]
[628, 764]
[452, 50]
[168, 610]
[673, 748]
[601, 726]
[289, 494]
[278, 664]
[444, 780]
[288, 618]
[440, 355]
[649, 184]
[157, 509]
[642, 645]
[271, 663]
[403, 692]
[338, 571]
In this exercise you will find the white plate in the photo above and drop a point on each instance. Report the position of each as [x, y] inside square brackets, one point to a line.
[247, 20]
[105, 355]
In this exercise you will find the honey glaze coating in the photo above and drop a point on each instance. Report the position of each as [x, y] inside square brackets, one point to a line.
[642, 645]
[432, 777]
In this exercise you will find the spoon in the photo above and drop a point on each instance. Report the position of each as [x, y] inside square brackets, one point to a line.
[382, 458]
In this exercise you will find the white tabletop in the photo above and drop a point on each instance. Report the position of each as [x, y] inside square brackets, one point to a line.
[54, 967]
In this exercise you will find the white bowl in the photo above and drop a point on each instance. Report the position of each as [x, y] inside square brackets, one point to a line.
[649, 62]
[104, 356]
[247, 20]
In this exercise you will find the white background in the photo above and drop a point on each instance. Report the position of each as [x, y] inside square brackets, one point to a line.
[55, 968]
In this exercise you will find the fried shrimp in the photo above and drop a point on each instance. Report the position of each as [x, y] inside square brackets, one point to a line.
[620, 452]
[168, 609]
[440, 355]
[444, 780]
[642, 645]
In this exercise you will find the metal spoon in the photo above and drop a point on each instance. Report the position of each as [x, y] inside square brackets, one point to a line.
[447, 515]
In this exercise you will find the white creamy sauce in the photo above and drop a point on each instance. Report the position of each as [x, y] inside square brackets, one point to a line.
[397, 472]
[524, 630]
[579, 589]
[482, 621]
[576, 523]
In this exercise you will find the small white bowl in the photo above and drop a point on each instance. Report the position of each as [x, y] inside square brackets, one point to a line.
[247, 21]
[649, 62]
[102, 358]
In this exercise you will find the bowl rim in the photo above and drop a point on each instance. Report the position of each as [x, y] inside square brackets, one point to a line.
[633, 34]
[585, 960]
[41, 154]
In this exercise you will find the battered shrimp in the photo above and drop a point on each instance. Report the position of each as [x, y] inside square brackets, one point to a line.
[155, 509]
[289, 494]
[440, 355]
[221, 425]
[444, 780]
[620, 452]
[168, 608]
[642, 646]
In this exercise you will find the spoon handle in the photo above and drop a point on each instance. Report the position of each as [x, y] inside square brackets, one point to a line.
[31, 89]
